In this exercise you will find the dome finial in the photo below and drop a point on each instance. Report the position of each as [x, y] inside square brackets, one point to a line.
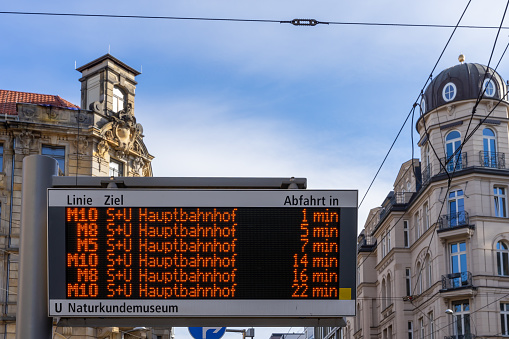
[461, 58]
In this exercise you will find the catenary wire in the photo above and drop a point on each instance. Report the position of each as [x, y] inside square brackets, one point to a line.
[157, 17]
[448, 186]
[417, 100]
[413, 107]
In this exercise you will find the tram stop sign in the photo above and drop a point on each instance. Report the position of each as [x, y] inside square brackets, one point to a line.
[207, 332]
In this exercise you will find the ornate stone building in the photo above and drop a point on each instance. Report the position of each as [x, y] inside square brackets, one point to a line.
[433, 260]
[102, 138]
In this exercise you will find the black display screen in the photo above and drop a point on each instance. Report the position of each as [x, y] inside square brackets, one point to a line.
[202, 253]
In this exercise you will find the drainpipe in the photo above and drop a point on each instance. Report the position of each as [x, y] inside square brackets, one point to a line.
[8, 262]
[12, 185]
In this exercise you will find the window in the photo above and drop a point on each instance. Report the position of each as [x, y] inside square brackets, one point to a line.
[489, 88]
[489, 155]
[502, 259]
[431, 326]
[425, 215]
[408, 281]
[457, 214]
[461, 326]
[452, 144]
[499, 201]
[426, 171]
[1, 157]
[406, 235]
[116, 168]
[419, 278]
[118, 99]
[388, 241]
[417, 223]
[423, 106]
[389, 291]
[459, 263]
[57, 153]
[429, 281]
[421, 328]
[384, 294]
[358, 318]
[410, 330]
[384, 248]
[504, 318]
[449, 91]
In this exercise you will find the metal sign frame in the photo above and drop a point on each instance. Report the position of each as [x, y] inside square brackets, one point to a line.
[201, 311]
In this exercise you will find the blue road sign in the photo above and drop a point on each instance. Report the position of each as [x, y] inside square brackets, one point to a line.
[207, 332]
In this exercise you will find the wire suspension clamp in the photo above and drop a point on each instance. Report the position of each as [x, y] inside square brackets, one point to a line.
[304, 22]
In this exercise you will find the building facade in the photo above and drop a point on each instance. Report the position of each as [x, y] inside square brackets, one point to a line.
[102, 138]
[433, 259]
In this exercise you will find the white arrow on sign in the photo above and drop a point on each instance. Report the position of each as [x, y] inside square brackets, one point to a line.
[205, 329]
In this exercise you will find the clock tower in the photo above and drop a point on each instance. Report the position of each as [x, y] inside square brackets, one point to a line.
[108, 86]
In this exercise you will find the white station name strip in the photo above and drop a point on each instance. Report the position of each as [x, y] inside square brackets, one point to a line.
[199, 308]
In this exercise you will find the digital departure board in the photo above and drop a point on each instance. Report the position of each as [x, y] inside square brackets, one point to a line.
[198, 253]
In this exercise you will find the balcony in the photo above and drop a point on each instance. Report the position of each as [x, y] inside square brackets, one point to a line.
[367, 244]
[398, 198]
[461, 336]
[452, 220]
[456, 280]
[454, 163]
[492, 159]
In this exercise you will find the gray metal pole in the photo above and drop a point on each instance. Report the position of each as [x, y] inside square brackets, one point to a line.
[32, 321]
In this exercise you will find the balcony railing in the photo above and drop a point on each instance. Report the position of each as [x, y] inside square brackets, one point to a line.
[492, 159]
[399, 198]
[456, 280]
[366, 244]
[453, 220]
[454, 163]
[461, 336]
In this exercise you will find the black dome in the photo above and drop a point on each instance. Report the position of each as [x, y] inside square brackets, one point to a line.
[467, 80]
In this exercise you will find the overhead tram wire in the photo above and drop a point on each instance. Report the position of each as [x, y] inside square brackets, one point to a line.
[482, 90]
[443, 203]
[295, 22]
[418, 97]
[413, 107]
[468, 136]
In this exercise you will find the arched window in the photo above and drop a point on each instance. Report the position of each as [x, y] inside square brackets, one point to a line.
[118, 99]
[425, 216]
[426, 172]
[489, 88]
[489, 158]
[417, 225]
[389, 291]
[502, 258]
[384, 294]
[452, 143]
[449, 92]
[429, 277]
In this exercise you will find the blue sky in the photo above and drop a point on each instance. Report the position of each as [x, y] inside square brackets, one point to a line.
[258, 99]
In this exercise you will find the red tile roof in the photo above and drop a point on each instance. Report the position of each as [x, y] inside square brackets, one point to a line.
[8, 100]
